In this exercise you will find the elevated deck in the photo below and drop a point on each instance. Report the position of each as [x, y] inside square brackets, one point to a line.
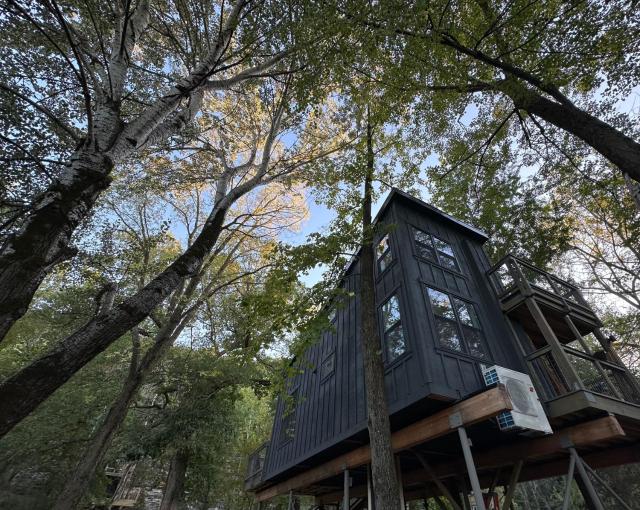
[576, 371]
[430, 458]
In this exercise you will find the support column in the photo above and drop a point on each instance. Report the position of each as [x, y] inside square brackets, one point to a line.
[345, 499]
[557, 349]
[471, 468]
[586, 487]
[567, 490]
[513, 482]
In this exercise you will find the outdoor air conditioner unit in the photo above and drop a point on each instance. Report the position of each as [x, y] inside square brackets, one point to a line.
[527, 416]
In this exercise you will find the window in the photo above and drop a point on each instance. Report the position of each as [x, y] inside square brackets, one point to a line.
[383, 254]
[435, 250]
[393, 336]
[327, 366]
[457, 323]
[288, 426]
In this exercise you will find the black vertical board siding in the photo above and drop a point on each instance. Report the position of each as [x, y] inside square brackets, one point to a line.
[335, 409]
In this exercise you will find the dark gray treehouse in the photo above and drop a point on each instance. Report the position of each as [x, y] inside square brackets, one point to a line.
[445, 317]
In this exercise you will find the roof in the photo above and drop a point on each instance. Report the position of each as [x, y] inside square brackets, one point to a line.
[398, 193]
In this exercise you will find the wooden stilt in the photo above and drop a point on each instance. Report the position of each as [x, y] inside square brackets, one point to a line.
[589, 493]
[513, 481]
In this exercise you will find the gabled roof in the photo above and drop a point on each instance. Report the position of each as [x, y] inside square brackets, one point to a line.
[396, 194]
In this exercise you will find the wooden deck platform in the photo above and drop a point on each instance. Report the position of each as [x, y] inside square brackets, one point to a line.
[601, 442]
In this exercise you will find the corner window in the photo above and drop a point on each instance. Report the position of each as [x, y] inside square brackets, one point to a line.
[288, 425]
[383, 254]
[393, 337]
[435, 250]
[457, 323]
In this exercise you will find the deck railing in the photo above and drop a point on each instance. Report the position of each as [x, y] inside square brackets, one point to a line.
[511, 274]
[255, 465]
[560, 369]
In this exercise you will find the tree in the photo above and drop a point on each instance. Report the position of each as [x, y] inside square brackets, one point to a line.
[259, 158]
[97, 99]
[541, 60]
[383, 466]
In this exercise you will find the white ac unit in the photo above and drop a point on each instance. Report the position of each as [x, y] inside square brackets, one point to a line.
[527, 415]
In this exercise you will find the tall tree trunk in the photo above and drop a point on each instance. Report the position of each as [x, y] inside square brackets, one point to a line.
[385, 483]
[80, 478]
[174, 489]
[43, 241]
[28, 388]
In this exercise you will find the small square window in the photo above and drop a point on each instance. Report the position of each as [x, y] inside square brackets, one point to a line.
[328, 366]
[435, 250]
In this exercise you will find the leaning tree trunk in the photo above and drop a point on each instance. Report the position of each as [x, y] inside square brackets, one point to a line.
[25, 390]
[80, 478]
[43, 241]
[619, 149]
[385, 482]
[174, 489]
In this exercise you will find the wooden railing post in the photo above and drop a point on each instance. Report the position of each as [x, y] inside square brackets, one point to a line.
[557, 350]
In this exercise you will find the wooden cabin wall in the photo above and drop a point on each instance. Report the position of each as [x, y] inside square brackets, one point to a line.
[332, 409]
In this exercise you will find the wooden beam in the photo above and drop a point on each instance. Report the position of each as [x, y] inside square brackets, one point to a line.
[478, 408]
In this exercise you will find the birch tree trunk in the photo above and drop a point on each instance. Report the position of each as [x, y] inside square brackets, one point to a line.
[44, 239]
[385, 483]
[174, 489]
[28, 388]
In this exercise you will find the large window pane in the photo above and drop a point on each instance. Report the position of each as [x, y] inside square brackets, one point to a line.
[445, 254]
[390, 312]
[466, 313]
[383, 253]
[440, 304]
[424, 246]
[448, 334]
[474, 341]
[394, 341]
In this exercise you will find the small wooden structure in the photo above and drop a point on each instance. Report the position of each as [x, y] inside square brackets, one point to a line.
[444, 314]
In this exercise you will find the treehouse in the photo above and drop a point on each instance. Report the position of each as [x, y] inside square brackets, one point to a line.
[450, 324]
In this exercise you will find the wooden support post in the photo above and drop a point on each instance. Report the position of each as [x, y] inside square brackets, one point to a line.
[589, 493]
[471, 468]
[567, 490]
[557, 350]
[441, 486]
[345, 497]
[513, 481]
[290, 505]
[598, 365]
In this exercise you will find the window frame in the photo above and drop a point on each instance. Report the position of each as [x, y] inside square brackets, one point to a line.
[436, 252]
[289, 420]
[459, 324]
[325, 377]
[388, 251]
[395, 293]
